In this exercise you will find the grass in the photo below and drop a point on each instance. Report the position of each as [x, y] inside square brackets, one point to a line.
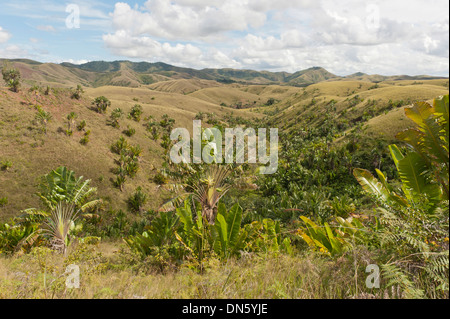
[34, 153]
[106, 272]
[351, 100]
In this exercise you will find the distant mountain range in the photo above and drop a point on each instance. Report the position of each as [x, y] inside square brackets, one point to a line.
[135, 74]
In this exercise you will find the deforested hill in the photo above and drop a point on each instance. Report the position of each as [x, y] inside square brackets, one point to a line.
[35, 121]
[136, 74]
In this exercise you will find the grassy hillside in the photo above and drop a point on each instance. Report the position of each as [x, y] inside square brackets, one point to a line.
[34, 153]
[354, 102]
[138, 74]
[305, 231]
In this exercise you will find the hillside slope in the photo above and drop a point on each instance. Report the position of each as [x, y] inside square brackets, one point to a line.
[137, 74]
[33, 153]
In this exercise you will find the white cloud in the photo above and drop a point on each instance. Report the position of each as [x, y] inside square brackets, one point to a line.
[4, 35]
[46, 28]
[13, 52]
[75, 61]
[186, 20]
[149, 49]
[348, 36]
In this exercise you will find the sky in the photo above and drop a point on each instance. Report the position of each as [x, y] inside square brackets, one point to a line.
[388, 37]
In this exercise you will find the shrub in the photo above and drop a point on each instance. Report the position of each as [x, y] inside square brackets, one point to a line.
[81, 126]
[101, 103]
[414, 218]
[135, 113]
[76, 94]
[84, 140]
[12, 77]
[137, 201]
[115, 116]
[3, 201]
[5, 165]
[129, 132]
[43, 118]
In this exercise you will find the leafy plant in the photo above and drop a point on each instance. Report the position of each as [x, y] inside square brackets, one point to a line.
[101, 103]
[415, 218]
[129, 131]
[137, 200]
[160, 233]
[115, 116]
[43, 118]
[322, 238]
[61, 185]
[5, 165]
[194, 236]
[59, 224]
[76, 94]
[12, 77]
[17, 236]
[82, 125]
[3, 201]
[229, 238]
[71, 117]
[207, 192]
[136, 113]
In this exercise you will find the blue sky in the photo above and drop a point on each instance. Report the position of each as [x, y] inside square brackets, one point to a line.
[378, 37]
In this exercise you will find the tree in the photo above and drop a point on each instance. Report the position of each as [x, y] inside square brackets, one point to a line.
[135, 113]
[101, 103]
[12, 77]
[43, 118]
[414, 218]
[77, 93]
[71, 122]
[59, 224]
[61, 185]
[115, 116]
[207, 192]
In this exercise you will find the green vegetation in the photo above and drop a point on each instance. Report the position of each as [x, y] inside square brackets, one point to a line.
[135, 113]
[343, 197]
[115, 116]
[5, 165]
[77, 93]
[11, 76]
[101, 103]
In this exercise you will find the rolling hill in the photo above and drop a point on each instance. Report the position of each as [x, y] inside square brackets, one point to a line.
[136, 74]
[349, 103]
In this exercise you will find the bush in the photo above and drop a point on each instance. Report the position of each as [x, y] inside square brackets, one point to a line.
[84, 140]
[12, 78]
[137, 201]
[135, 113]
[77, 93]
[5, 165]
[129, 132]
[101, 103]
[81, 126]
[3, 201]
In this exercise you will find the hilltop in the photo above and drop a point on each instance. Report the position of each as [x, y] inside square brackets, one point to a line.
[137, 74]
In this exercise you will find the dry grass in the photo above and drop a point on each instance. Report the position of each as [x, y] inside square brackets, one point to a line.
[34, 153]
[299, 106]
[183, 86]
[41, 275]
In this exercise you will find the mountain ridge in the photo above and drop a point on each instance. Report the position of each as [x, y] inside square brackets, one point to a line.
[134, 74]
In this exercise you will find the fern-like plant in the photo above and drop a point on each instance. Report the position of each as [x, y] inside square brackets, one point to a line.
[414, 219]
[59, 224]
